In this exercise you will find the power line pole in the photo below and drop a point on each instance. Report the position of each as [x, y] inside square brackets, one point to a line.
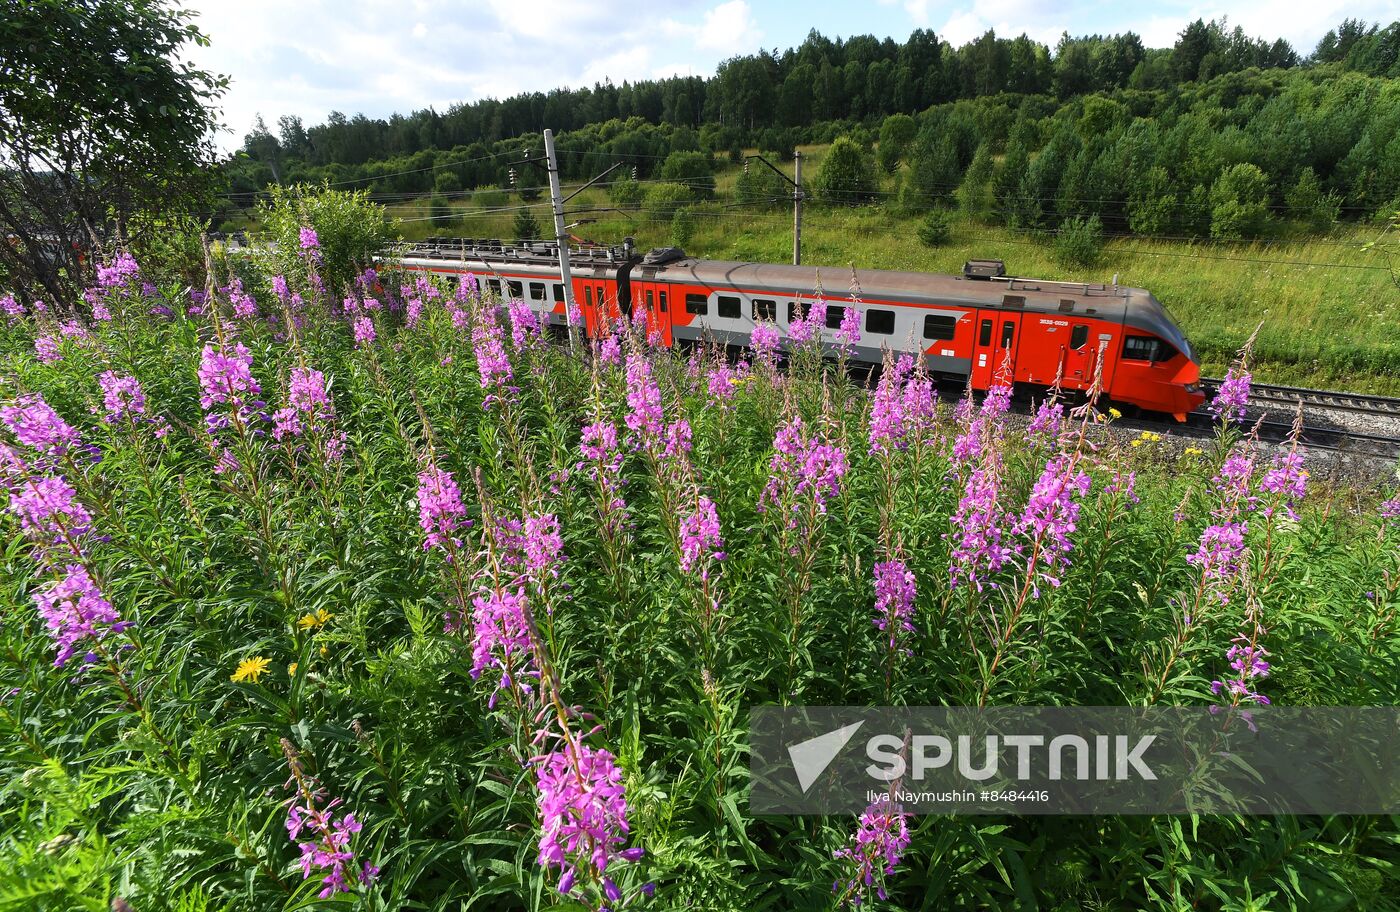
[561, 235]
[797, 208]
[797, 197]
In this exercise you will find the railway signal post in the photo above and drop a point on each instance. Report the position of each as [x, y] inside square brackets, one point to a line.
[797, 196]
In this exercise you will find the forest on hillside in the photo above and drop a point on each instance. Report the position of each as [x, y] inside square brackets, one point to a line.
[1216, 136]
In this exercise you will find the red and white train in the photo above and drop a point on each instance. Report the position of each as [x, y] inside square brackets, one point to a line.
[974, 327]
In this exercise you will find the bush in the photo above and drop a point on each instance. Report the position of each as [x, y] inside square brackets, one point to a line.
[1079, 242]
[682, 227]
[491, 198]
[662, 200]
[896, 133]
[758, 185]
[350, 230]
[936, 229]
[694, 170]
[447, 182]
[1306, 201]
[845, 177]
[626, 194]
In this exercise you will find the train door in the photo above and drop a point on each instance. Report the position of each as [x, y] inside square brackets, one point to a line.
[994, 348]
[1078, 367]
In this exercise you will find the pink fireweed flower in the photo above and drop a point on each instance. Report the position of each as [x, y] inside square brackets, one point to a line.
[801, 467]
[12, 309]
[1220, 557]
[1125, 484]
[764, 341]
[583, 817]
[644, 416]
[492, 363]
[327, 850]
[894, 600]
[309, 240]
[76, 614]
[610, 350]
[244, 307]
[501, 638]
[364, 331]
[440, 508]
[678, 438]
[721, 381]
[849, 332]
[1248, 661]
[979, 543]
[226, 378]
[118, 272]
[1287, 480]
[701, 541]
[525, 328]
[1390, 509]
[880, 841]
[1045, 425]
[542, 546]
[46, 349]
[1232, 396]
[49, 511]
[279, 288]
[122, 397]
[1050, 517]
[889, 426]
[37, 426]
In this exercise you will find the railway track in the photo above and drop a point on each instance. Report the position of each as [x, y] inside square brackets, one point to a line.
[1268, 394]
[1315, 435]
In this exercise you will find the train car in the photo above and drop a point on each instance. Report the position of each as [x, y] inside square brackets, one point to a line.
[981, 327]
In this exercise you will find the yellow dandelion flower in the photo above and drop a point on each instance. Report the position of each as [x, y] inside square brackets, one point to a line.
[1195, 451]
[315, 619]
[324, 650]
[1114, 413]
[292, 670]
[250, 669]
[1136, 443]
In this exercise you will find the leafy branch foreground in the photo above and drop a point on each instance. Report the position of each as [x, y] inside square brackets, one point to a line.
[386, 603]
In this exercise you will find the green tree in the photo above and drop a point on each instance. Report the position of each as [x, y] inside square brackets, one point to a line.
[101, 119]
[1079, 242]
[1008, 180]
[439, 210]
[845, 176]
[695, 170]
[525, 226]
[974, 194]
[759, 186]
[1152, 202]
[351, 231]
[933, 172]
[1239, 203]
[447, 182]
[896, 133]
[1306, 201]
[682, 227]
[936, 229]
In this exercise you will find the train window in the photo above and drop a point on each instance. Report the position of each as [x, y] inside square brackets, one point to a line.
[515, 290]
[984, 337]
[495, 286]
[536, 291]
[588, 295]
[663, 300]
[1146, 348]
[764, 309]
[558, 293]
[834, 316]
[1078, 336]
[792, 310]
[729, 308]
[1008, 332]
[696, 304]
[940, 327]
[651, 299]
[879, 322]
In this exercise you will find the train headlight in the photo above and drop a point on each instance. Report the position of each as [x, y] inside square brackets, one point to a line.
[1193, 387]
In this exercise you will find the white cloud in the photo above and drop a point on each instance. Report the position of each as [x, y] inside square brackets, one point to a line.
[728, 26]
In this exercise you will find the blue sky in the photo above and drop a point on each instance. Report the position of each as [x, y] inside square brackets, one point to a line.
[376, 57]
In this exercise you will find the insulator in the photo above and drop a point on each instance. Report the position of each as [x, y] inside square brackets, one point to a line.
[634, 172]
